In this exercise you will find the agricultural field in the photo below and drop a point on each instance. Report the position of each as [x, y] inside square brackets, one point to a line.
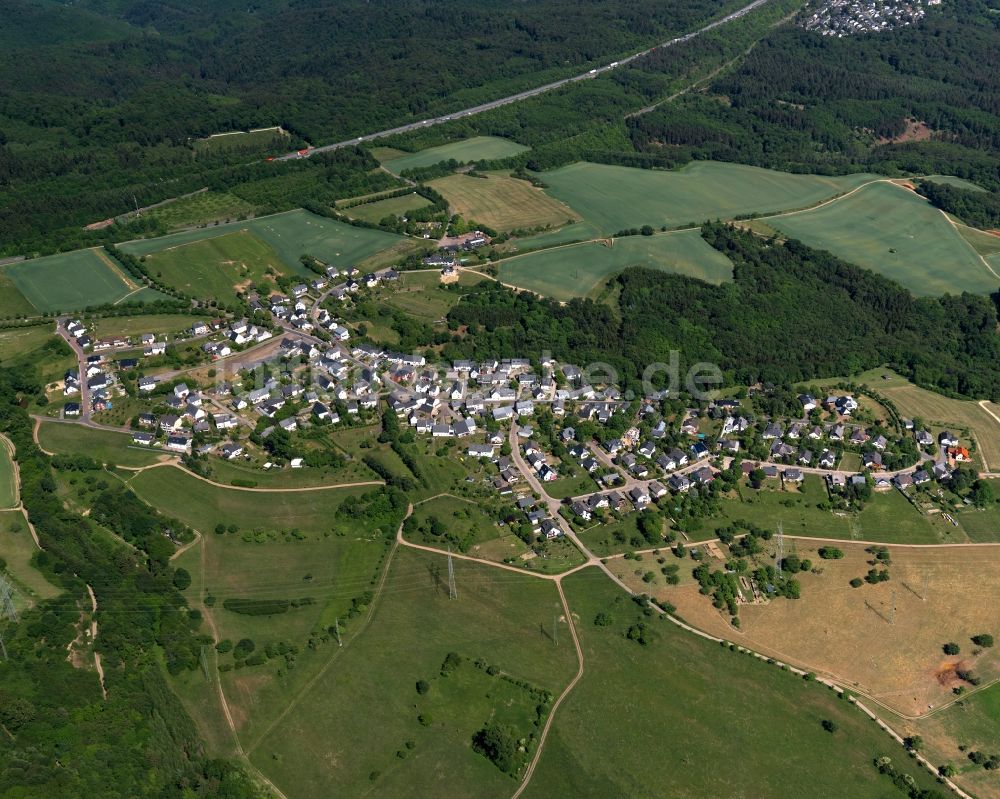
[16, 549]
[615, 198]
[941, 594]
[378, 210]
[986, 244]
[502, 202]
[506, 619]
[699, 703]
[895, 232]
[12, 302]
[205, 208]
[958, 183]
[8, 479]
[581, 269]
[217, 268]
[972, 722]
[65, 438]
[567, 234]
[291, 235]
[478, 148]
[71, 281]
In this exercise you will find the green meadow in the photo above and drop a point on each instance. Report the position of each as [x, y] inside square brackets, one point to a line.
[892, 231]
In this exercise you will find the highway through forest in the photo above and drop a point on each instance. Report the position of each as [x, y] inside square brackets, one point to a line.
[513, 98]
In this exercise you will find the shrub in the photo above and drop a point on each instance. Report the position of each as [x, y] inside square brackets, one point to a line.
[423, 687]
[951, 648]
[983, 639]
[829, 725]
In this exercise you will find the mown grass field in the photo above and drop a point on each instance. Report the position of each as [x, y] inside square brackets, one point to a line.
[973, 722]
[217, 268]
[103, 445]
[567, 234]
[695, 704]
[615, 198]
[17, 342]
[12, 301]
[328, 570]
[580, 269]
[846, 632]
[375, 212]
[205, 208]
[291, 235]
[421, 294]
[160, 324]
[502, 202]
[892, 231]
[69, 281]
[17, 548]
[478, 148]
[887, 517]
[205, 505]
[324, 744]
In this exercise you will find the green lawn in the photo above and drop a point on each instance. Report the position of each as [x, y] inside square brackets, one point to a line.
[893, 231]
[104, 445]
[341, 737]
[580, 269]
[982, 526]
[615, 197]
[375, 212]
[715, 723]
[473, 522]
[216, 268]
[12, 302]
[17, 548]
[478, 148]
[69, 281]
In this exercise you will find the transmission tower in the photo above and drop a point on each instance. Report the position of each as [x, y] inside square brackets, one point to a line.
[780, 555]
[555, 629]
[7, 599]
[3, 647]
[923, 591]
[336, 627]
[452, 590]
[892, 613]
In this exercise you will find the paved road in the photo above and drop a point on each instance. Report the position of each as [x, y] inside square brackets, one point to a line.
[513, 98]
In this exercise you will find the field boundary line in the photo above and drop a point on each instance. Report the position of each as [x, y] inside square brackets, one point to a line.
[103, 256]
[358, 631]
[566, 691]
[982, 258]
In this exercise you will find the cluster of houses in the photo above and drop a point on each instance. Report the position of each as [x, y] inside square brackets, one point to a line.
[848, 17]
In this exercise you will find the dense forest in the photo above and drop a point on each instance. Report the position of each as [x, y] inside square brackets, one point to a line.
[101, 100]
[804, 102]
[61, 738]
[791, 313]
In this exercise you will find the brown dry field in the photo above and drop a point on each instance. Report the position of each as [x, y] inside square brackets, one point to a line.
[831, 631]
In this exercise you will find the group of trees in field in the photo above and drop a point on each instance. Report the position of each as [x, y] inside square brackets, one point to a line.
[790, 314]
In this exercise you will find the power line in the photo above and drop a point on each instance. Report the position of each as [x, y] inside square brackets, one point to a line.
[7, 599]
[452, 590]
